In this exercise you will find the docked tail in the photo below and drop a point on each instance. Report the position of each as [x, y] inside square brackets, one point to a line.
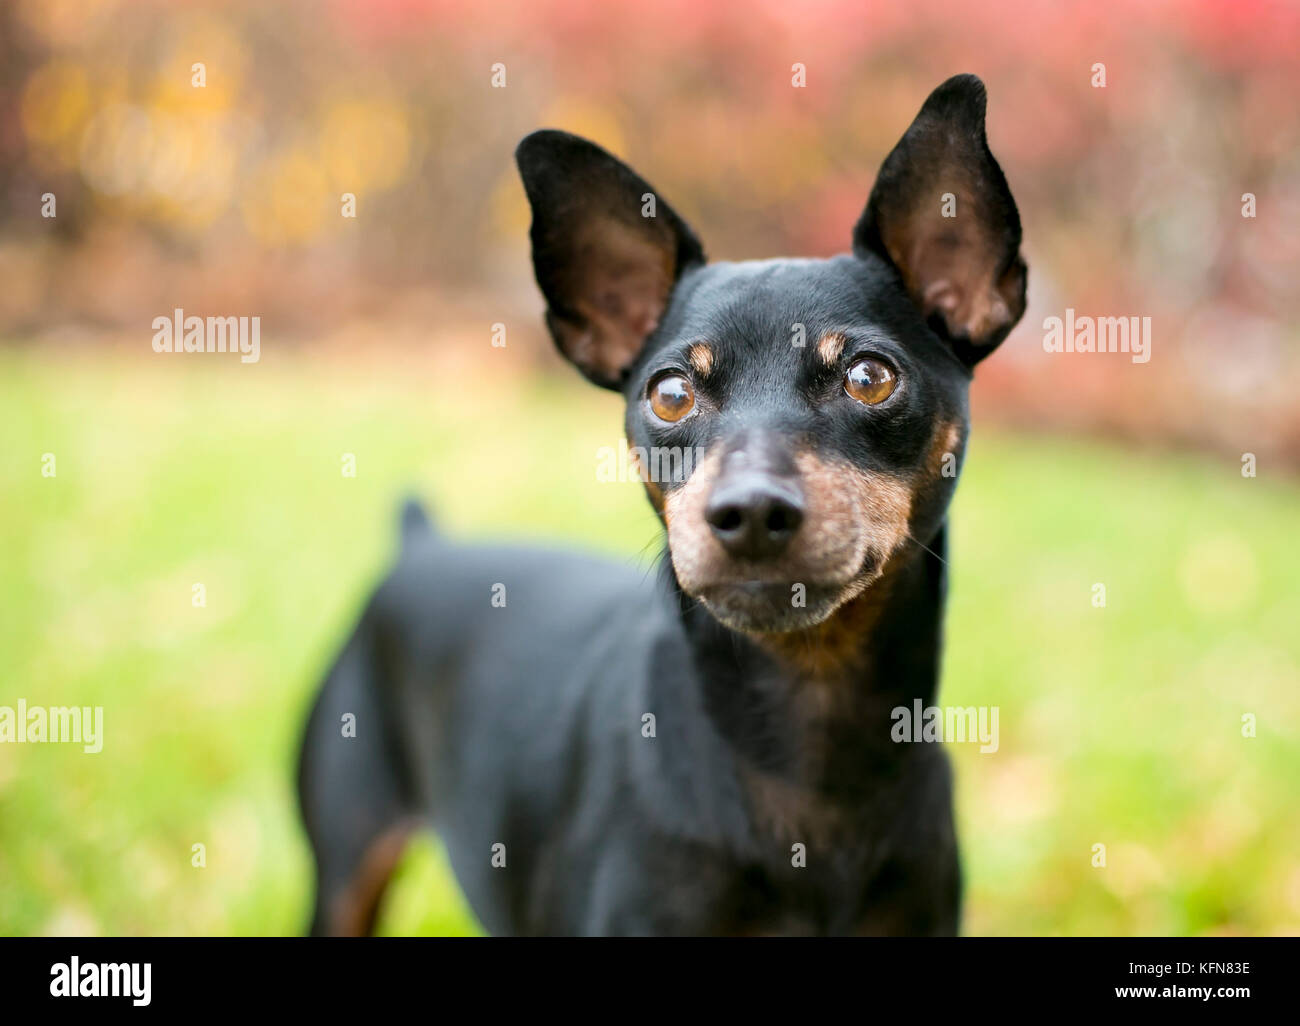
[414, 521]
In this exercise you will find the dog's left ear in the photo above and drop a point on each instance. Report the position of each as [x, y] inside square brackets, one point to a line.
[942, 214]
[607, 251]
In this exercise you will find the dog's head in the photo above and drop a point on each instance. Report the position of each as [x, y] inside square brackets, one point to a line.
[799, 422]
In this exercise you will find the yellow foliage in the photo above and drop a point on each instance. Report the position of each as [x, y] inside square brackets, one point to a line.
[365, 144]
[55, 102]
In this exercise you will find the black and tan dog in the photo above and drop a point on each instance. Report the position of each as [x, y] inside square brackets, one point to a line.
[708, 752]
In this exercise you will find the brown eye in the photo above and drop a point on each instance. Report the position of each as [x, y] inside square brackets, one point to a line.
[671, 397]
[870, 381]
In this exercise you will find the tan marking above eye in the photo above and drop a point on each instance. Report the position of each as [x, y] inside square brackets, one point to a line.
[671, 397]
[701, 359]
[830, 346]
[870, 381]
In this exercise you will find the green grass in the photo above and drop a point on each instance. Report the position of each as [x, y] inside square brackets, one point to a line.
[1119, 725]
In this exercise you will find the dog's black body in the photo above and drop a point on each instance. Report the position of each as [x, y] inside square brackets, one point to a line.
[701, 752]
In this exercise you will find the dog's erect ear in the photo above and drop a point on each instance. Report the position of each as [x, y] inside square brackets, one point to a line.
[942, 214]
[607, 251]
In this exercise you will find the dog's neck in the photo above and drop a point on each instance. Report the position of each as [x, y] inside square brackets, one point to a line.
[813, 708]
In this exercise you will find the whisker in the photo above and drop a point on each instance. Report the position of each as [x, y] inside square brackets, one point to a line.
[927, 548]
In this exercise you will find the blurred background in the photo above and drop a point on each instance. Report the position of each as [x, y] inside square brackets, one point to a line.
[220, 191]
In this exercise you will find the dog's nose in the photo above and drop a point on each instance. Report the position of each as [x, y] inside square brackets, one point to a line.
[755, 516]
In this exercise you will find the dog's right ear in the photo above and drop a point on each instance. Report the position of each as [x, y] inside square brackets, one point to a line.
[607, 251]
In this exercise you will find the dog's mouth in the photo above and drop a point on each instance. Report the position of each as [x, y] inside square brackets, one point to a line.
[757, 607]
[767, 606]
